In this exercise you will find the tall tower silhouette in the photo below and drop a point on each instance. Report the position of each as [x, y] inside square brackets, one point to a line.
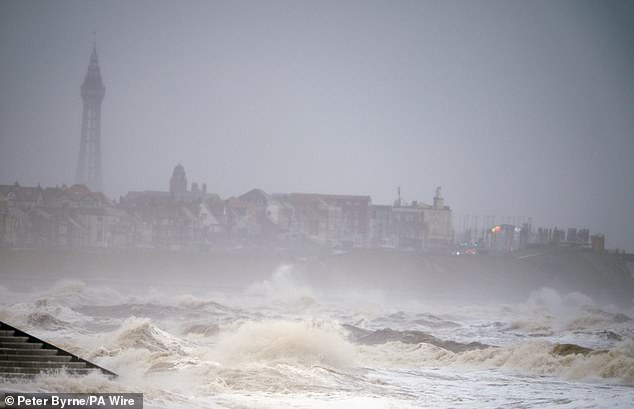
[92, 93]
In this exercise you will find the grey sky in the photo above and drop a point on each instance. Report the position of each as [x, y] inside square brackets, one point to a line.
[515, 108]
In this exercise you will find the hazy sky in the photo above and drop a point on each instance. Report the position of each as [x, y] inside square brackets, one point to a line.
[514, 108]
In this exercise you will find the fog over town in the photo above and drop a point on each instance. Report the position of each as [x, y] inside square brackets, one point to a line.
[307, 204]
[517, 109]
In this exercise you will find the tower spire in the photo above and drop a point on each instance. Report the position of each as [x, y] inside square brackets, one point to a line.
[92, 93]
[93, 56]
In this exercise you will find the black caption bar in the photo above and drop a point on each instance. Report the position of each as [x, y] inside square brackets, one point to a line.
[71, 400]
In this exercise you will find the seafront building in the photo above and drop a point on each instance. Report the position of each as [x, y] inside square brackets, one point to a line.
[189, 218]
[59, 217]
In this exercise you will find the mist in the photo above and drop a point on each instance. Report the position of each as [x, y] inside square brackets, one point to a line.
[307, 204]
[516, 109]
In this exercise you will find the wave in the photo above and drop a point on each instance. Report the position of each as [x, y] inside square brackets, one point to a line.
[529, 358]
[549, 313]
[188, 345]
[607, 325]
[386, 335]
[140, 333]
[74, 292]
[141, 344]
[42, 318]
[45, 320]
[305, 343]
[531, 327]
[283, 287]
[246, 355]
[205, 330]
[575, 362]
[432, 321]
[598, 319]
[552, 299]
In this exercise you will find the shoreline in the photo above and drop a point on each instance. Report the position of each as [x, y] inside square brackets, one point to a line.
[607, 278]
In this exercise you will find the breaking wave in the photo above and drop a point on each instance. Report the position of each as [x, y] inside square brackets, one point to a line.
[278, 338]
[247, 355]
[531, 358]
[274, 341]
[283, 286]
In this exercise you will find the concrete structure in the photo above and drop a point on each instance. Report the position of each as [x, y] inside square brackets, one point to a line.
[89, 161]
[408, 227]
[23, 355]
[381, 227]
[330, 220]
[414, 226]
[438, 220]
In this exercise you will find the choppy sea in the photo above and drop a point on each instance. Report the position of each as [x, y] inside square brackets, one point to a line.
[278, 343]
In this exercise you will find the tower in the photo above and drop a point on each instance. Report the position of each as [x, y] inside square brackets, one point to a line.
[92, 93]
[439, 202]
[178, 182]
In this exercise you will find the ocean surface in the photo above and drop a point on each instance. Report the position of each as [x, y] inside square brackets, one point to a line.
[281, 343]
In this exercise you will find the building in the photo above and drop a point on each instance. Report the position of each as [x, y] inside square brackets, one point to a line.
[271, 213]
[89, 160]
[178, 183]
[175, 219]
[414, 226]
[312, 219]
[438, 219]
[178, 193]
[60, 217]
[381, 226]
[193, 220]
[407, 227]
[332, 220]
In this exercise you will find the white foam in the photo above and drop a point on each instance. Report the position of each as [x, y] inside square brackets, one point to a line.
[282, 346]
[529, 358]
[282, 286]
[295, 342]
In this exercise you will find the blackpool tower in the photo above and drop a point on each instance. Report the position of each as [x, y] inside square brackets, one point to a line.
[89, 161]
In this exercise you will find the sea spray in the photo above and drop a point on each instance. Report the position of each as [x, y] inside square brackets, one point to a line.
[256, 349]
[283, 286]
[529, 358]
[298, 342]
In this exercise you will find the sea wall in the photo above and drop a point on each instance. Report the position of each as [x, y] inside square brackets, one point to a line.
[604, 277]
